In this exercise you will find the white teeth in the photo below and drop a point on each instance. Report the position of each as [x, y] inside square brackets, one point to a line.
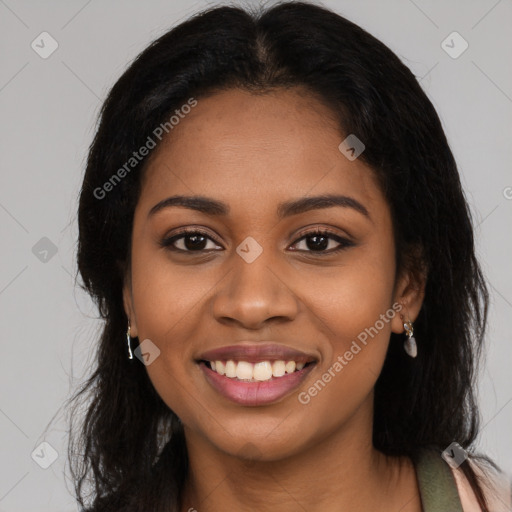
[278, 368]
[261, 371]
[230, 369]
[219, 367]
[290, 367]
[244, 370]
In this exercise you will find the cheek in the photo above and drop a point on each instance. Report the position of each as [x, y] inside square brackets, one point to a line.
[354, 313]
[350, 298]
[167, 302]
[165, 295]
[352, 307]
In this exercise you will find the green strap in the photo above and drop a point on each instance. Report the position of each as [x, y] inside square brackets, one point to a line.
[438, 488]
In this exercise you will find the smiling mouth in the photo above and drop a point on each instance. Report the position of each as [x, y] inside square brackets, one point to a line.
[261, 371]
[257, 386]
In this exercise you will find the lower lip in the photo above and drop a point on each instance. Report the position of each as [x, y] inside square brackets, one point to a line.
[255, 393]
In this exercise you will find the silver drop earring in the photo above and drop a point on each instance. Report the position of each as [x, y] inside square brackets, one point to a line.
[129, 342]
[410, 345]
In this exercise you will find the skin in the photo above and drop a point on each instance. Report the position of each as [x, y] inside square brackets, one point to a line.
[253, 152]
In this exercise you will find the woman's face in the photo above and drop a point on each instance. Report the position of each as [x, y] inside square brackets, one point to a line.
[252, 280]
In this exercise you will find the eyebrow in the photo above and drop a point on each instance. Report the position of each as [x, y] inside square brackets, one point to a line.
[214, 207]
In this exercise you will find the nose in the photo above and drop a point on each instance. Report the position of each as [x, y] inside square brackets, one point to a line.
[255, 294]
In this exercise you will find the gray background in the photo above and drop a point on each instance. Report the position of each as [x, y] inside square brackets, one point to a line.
[48, 109]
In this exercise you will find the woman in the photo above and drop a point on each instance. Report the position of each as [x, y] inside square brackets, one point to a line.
[273, 227]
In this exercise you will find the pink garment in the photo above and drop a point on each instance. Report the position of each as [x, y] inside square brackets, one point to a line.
[497, 488]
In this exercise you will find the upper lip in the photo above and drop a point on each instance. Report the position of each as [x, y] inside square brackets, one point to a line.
[255, 353]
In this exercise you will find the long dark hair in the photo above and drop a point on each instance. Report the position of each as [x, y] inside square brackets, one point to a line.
[130, 448]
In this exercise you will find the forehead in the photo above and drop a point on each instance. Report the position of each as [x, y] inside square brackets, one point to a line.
[250, 150]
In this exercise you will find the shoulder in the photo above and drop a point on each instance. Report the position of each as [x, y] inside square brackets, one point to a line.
[496, 486]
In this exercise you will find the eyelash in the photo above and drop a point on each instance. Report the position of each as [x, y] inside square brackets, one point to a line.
[344, 243]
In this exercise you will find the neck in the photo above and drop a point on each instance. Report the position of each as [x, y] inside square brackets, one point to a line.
[341, 472]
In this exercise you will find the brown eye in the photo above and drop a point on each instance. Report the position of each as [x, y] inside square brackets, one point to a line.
[318, 241]
[189, 241]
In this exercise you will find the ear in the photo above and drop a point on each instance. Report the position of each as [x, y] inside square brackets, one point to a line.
[409, 292]
[128, 306]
